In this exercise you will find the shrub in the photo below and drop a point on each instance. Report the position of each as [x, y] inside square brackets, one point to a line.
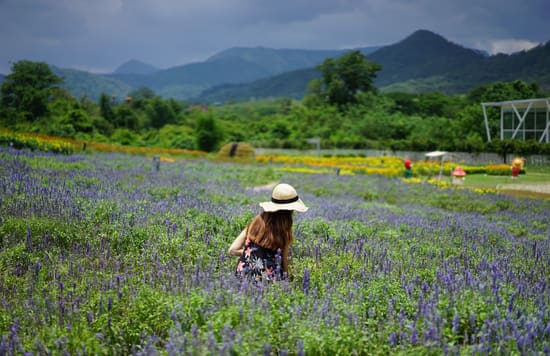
[124, 137]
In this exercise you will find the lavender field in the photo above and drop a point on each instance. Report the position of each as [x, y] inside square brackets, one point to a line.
[100, 254]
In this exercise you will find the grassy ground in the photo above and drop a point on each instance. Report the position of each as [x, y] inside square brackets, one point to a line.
[535, 184]
[486, 181]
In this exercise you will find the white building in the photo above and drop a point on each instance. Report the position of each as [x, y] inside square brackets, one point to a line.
[522, 119]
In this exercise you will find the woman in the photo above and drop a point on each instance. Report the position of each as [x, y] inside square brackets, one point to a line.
[263, 246]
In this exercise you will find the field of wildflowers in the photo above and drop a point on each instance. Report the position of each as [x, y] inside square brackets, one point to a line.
[101, 254]
[388, 166]
[44, 143]
[35, 142]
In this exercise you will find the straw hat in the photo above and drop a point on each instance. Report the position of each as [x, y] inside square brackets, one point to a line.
[284, 197]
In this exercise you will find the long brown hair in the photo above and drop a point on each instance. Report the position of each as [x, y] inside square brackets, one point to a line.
[273, 230]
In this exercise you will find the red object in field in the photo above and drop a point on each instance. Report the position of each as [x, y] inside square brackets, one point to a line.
[458, 172]
[408, 164]
[515, 171]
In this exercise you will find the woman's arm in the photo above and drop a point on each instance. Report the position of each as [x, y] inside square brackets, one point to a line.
[236, 248]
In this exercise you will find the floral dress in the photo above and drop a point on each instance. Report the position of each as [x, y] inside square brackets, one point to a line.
[259, 264]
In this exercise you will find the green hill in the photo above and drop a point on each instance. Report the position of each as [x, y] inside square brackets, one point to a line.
[190, 80]
[421, 55]
[289, 85]
[135, 67]
[529, 66]
[81, 83]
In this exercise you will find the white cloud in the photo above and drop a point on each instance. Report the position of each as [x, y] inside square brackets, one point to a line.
[91, 69]
[511, 45]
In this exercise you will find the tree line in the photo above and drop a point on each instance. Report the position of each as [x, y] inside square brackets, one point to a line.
[343, 108]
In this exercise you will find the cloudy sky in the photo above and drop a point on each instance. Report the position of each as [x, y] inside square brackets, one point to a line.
[99, 35]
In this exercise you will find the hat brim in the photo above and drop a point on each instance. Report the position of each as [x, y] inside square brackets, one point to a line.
[296, 206]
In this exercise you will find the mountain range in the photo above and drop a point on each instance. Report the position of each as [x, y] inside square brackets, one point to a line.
[232, 66]
[421, 62]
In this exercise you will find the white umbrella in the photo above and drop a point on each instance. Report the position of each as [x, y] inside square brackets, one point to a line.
[436, 154]
[439, 154]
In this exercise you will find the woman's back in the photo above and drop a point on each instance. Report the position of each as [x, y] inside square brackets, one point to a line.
[259, 263]
[264, 245]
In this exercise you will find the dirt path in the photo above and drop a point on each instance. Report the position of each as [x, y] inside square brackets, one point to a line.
[541, 190]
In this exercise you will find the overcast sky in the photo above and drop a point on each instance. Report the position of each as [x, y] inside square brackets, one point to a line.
[99, 35]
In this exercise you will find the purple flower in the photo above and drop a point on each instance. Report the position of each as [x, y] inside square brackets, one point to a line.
[392, 339]
[414, 336]
[305, 281]
[456, 323]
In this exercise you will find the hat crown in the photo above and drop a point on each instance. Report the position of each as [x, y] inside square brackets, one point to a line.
[284, 191]
[284, 197]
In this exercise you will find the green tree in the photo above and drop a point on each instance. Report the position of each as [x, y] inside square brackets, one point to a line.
[280, 129]
[473, 143]
[176, 137]
[502, 91]
[343, 78]
[27, 90]
[142, 93]
[125, 117]
[470, 120]
[124, 136]
[425, 104]
[106, 107]
[208, 132]
[79, 119]
[503, 147]
[160, 113]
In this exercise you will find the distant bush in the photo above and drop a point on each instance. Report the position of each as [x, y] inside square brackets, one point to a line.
[125, 137]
